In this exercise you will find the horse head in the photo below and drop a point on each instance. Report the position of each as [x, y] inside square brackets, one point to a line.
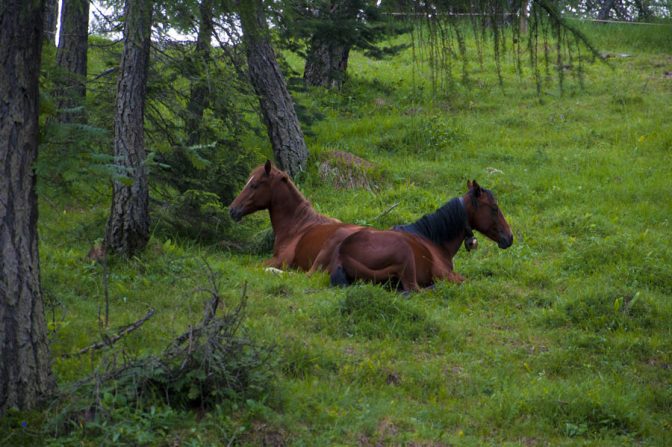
[258, 192]
[485, 215]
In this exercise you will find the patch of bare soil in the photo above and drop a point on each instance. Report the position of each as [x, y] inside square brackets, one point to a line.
[346, 171]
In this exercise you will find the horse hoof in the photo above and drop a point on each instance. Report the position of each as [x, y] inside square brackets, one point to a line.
[273, 270]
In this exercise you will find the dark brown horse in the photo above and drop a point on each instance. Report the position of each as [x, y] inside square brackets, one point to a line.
[418, 254]
[304, 239]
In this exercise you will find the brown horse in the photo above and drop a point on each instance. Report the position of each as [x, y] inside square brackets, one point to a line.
[418, 254]
[304, 239]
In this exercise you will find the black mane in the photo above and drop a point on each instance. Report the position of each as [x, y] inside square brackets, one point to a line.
[442, 225]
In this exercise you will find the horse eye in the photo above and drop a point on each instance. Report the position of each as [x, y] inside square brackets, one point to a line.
[253, 186]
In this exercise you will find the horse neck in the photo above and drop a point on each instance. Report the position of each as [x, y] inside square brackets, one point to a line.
[290, 212]
[446, 227]
[452, 246]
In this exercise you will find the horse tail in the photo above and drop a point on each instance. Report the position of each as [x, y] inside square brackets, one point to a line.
[338, 277]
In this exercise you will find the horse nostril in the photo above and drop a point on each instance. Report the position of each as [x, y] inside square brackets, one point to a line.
[235, 214]
[505, 241]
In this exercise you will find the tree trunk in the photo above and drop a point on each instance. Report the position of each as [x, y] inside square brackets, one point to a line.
[128, 226]
[50, 17]
[277, 107]
[522, 17]
[605, 10]
[25, 372]
[643, 10]
[71, 57]
[326, 63]
[198, 100]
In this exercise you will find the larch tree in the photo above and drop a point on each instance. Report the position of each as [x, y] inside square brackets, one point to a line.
[71, 58]
[25, 371]
[50, 18]
[325, 31]
[605, 9]
[327, 58]
[127, 229]
[277, 107]
[198, 99]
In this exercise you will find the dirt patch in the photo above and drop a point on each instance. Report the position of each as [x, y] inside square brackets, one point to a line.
[347, 171]
[263, 434]
[385, 431]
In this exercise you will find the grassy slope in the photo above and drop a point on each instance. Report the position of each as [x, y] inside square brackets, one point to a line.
[564, 338]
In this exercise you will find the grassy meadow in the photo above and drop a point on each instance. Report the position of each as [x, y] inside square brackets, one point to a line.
[563, 339]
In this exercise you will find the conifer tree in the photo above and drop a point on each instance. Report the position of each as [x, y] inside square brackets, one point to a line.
[25, 371]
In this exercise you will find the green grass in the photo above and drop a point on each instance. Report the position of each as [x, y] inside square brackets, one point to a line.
[563, 339]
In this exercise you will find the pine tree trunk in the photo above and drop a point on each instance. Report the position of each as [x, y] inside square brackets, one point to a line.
[605, 10]
[277, 107]
[327, 60]
[522, 17]
[50, 17]
[71, 57]
[128, 226]
[326, 63]
[198, 100]
[25, 372]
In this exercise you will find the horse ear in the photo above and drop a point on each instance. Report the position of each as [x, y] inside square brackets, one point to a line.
[476, 187]
[469, 184]
[267, 167]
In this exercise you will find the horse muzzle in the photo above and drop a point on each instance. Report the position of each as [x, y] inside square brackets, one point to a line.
[236, 214]
[505, 241]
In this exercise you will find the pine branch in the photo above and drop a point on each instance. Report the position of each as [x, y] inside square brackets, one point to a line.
[554, 14]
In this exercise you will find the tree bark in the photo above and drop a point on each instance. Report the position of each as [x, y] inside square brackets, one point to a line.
[25, 372]
[277, 107]
[522, 17]
[50, 17]
[605, 10]
[327, 59]
[128, 226]
[198, 99]
[71, 57]
[326, 63]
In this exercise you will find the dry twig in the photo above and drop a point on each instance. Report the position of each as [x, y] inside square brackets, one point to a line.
[109, 341]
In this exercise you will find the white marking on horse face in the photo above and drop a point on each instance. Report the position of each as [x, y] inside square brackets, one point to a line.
[248, 182]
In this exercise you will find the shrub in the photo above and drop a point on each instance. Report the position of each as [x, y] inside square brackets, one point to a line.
[196, 214]
[212, 364]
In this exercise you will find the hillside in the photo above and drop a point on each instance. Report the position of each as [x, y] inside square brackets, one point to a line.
[563, 339]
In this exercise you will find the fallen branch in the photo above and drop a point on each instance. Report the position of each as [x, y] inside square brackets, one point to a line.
[210, 309]
[109, 341]
[386, 212]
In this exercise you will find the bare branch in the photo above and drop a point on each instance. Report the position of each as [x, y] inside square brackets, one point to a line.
[109, 341]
